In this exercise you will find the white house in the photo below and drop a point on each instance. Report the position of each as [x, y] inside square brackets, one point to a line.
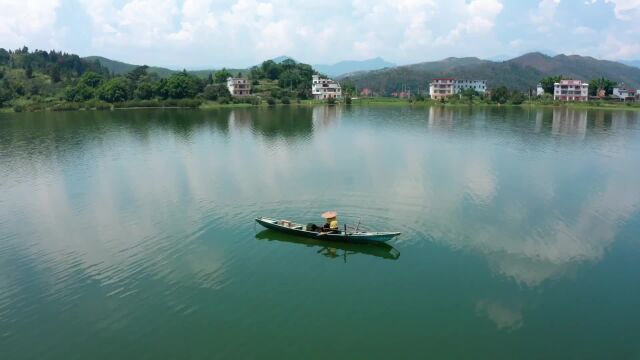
[238, 86]
[477, 85]
[322, 89]
[539, 90]
[623, 93]
[571, 90]
[444, 87]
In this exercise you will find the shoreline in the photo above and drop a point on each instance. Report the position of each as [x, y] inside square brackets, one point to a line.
[42, 107]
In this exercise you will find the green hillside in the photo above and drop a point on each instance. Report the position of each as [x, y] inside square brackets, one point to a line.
[520, 73]
[120, 68]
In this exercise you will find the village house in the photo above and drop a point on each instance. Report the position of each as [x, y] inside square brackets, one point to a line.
[322, 89]
[239, 86]
[539, 90]
[571, 90]
[444, 87]
[623, 93]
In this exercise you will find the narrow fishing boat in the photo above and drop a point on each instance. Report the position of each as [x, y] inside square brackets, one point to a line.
[326, 233]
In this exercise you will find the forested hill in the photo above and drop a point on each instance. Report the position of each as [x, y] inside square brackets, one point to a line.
[120, 68]
[519, 73]
[54, 80]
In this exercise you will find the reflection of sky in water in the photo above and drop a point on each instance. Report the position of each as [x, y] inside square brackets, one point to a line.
[533, 207]
[536, 193]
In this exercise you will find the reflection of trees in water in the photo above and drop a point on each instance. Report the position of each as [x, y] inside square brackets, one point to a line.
[274, 123]
[62, 134]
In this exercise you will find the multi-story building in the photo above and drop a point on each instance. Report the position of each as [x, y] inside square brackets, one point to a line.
[571, 90]
[539, 90]
[477, 85]
[624, 93]
[442, 88]
[445, 87]
[239, 86]
[322, 89]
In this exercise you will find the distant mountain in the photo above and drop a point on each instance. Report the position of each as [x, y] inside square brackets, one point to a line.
[352, 66]
[119, 68]
[282, 58]
[634, 63]
[520, 73]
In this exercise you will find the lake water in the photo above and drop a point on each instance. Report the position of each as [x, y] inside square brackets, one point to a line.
[130, 234]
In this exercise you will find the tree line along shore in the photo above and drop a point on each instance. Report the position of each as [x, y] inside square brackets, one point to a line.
[56, 81]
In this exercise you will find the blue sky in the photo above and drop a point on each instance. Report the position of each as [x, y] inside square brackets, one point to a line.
[235, 33]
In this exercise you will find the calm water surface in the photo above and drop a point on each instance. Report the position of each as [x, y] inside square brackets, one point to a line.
[130, 234]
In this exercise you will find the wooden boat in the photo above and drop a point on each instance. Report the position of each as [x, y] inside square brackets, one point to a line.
[333, 249]
[355, 236]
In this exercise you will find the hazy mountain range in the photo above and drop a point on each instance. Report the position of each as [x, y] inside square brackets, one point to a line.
[522, 72]
[353, 66]
[337, 69]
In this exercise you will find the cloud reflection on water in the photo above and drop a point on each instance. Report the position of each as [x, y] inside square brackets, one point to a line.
[534, 204]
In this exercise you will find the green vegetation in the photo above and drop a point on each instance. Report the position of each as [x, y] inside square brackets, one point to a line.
[521, 73]
[288, 79]
[57, 81]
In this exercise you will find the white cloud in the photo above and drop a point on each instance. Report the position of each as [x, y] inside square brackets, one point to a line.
[478, 18]
[626, 9]
[243, 32]
[27, 22]
[543, 18]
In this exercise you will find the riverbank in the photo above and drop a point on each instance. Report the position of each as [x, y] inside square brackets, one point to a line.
[92, 105]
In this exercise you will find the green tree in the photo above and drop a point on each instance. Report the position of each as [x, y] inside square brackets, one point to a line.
[216, 91]
[55, 73]
[349, 88]
[137, 73]
[5, 94]
[500, 95]
[210, 79]
[144, 90]
[90, 79]
[4, 57]
[80, 92]
[469, 94]
[516, 97]
[602, 83]
[28, 71]
[222, 76]
[181, 85]
[548, 83]
[271, 69]
[114, 90]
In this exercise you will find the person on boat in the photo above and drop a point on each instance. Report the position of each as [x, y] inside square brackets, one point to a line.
[331, 224]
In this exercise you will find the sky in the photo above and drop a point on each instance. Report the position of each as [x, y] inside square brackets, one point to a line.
[196, 34]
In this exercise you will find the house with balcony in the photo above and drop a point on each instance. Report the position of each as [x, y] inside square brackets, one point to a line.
[571, 90]
[239, 87]
[323, 89]
[444, 87]
[623, 93]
